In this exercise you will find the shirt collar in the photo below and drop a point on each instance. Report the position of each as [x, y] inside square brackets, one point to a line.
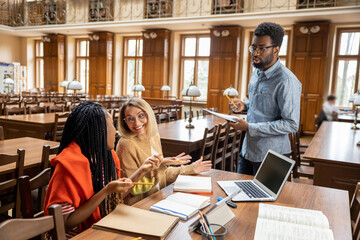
[270, 71]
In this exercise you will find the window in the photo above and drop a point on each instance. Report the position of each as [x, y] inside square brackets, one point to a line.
[194, 60]
[346, 71]
[133, 50]
[82, 63]
[283, 54]
[39, 64]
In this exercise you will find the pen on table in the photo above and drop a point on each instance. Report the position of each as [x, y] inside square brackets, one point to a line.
[206, 224]
[230, 204]
[230, 100]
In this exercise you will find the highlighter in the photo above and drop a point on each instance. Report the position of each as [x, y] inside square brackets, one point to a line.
[230, 204]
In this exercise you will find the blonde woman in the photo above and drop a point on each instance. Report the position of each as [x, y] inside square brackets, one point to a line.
[139, 142]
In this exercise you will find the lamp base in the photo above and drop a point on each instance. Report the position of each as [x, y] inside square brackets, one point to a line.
[355, 128]
[189, 126]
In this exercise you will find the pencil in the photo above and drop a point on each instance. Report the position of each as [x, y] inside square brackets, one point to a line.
[142, 183]
[230, 100]
[206, 226]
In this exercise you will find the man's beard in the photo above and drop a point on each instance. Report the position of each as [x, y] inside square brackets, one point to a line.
[263, 61]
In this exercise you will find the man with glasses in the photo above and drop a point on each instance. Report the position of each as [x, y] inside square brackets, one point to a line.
[273, 110]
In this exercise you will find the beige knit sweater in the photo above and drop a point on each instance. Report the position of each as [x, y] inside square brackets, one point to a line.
[132, 153]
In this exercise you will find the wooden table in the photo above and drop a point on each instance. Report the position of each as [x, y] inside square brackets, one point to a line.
[335, 155]
[333, 203]
[29, 125]
[33, 151]
[348, 117]
[176, 138]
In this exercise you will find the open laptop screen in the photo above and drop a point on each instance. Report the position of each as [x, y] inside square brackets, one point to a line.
[273, 171]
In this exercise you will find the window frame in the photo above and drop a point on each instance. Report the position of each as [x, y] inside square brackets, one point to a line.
[137, 58]
[37, 60]
[338, 57]
[196, 58]
[86, 58]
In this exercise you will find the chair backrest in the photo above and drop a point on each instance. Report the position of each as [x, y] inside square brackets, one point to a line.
[162, 117]
[228, 155]
[172, 115]
[208, 144]
[322, 117]
[14, 111]
[37, 109]
[57, 108]
[200, 113]
[316, 121]
[220, 144]
[10, 196]
[2, 133]
[239, 139]
[294, 153]
[355, 213]
[59, 125]
[187, 114]
[19, 229]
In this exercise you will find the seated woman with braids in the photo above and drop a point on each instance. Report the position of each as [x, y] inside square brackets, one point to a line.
[140, 139]
[86, 178]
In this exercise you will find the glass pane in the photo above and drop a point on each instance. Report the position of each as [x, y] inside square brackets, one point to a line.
[204, 46]
[131, 51]
[349, 43]
[130, 76]
[190, 46]
[345, 82]
[41, 49]
[202, 83]
[283, 49]
[40, 72]
[188, 72]
[140, 47]
[283, 61]
[83, 48]
[139, 69]
[83, 73]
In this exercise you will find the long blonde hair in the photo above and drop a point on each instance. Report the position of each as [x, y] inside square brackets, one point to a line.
[151, 128]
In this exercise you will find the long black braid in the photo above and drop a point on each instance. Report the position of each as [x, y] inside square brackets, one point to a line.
[86, 125]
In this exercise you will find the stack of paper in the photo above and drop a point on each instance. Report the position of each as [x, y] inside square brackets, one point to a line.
[192, 184]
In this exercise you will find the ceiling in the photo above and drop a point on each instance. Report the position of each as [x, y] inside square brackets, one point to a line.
[338, 15]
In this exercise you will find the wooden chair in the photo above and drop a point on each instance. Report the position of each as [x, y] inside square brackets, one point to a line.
[187, 114]
[239, 139]
[228, 155]
[115, 113]
[355, 213]
[200, 112]
[20, 229]
[172, 116]
[9, 191]
[208, 144]
[57, 108]
[161, 118]
[14, 111]
[2, 133]
[220, 145]
[59, 125]
[37, 109]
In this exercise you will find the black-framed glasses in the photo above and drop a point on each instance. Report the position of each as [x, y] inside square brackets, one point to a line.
[260, 49]
[130, 119]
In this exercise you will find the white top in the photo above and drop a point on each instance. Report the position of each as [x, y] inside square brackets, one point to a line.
[329, 109]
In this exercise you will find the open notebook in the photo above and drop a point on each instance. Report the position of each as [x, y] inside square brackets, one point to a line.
[127, 219]
[182, 205]
[194, 184]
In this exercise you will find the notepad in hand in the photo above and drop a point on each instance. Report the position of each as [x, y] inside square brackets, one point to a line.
[192, 184]
[182, 205]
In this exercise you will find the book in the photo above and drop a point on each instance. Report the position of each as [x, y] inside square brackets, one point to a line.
[278, 222]
[185, 183]
[182, 205]
[227, 117]
[131, 220]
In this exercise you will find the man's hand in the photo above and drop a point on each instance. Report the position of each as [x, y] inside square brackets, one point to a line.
[240, 125]
[240, 105]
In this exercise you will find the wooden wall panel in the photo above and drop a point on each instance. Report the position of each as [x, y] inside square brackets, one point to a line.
[309, 64]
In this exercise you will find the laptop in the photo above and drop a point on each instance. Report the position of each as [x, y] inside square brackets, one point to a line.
[267, 183]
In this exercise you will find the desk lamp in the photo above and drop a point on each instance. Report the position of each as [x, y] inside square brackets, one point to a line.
[166, 88]
[74, 85]
[64, 84]
[191, 91]
[355, 99]
[138, 88]
[230, 92]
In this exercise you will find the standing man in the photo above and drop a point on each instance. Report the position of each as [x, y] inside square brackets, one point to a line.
[273, 110]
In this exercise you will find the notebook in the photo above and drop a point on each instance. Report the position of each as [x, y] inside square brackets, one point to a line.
[194, 184]
[182, 205]
[130, 220]
[282, 222]
[230, 118]
[268, 181]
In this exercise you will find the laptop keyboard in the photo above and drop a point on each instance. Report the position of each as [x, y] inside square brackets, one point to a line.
[251, 190]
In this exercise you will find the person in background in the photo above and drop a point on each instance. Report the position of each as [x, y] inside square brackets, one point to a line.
[273, 109]
[85, 178]
[329, 108]
[139, 140]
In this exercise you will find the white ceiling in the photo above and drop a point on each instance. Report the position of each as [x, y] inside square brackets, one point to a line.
[339, 15]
